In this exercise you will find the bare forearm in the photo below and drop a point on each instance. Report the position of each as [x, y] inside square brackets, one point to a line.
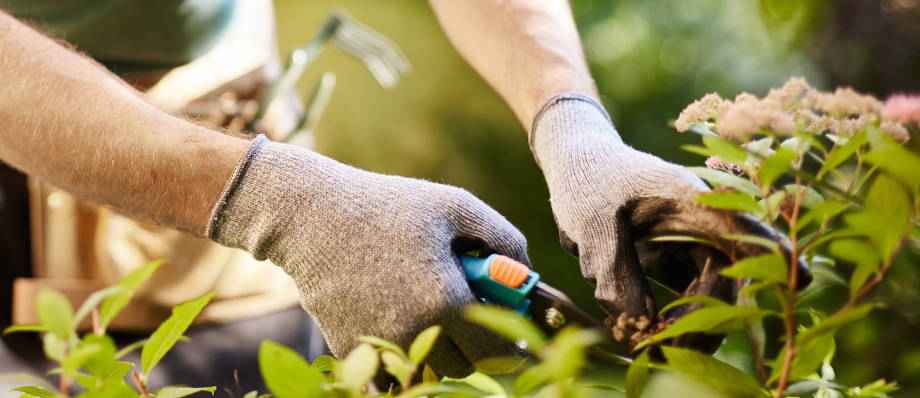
[70, 123]
[527, 50]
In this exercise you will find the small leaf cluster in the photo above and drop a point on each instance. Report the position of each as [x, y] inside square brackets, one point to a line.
[848, 203]
[92, 362]
[553, 368]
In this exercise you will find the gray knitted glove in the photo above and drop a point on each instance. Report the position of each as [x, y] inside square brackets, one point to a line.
[372, 254]
[606, 196]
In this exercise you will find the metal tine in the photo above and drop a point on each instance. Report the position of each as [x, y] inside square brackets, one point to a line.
[361, 43]
[315, 106]
[381, 56]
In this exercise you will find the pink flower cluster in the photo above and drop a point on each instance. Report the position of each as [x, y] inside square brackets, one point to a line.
[797, 107]
[903, 108]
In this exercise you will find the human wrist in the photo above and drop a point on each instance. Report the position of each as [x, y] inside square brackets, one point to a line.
[568, 122]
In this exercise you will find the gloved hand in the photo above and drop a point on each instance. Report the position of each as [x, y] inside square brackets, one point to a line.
[606, 196]
[372, 254]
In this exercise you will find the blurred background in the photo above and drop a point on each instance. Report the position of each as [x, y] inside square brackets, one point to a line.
[650, 59]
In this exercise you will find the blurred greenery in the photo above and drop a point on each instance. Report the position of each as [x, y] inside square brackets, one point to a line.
[650, 59]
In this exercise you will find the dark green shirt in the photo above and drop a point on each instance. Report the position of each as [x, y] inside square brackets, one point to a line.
[129, 35]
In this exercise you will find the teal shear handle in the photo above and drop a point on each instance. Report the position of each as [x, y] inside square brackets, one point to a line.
[500, 280]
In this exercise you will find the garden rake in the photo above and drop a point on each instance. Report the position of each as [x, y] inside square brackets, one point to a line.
[382, 58]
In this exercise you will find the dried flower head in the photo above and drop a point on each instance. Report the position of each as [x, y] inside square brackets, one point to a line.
[796, 106]
[848, 127]
[791, 95]
[702, 110]
[846, 102]
[748, 115]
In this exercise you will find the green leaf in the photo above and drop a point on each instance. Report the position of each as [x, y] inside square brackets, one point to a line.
[809, 196]
[729, 200]
[286, 373]
[55, 313]
[398, 366]
[716, 374]
[101, 359]
[92, 302]
[637, 375]
[737, 349]
[565, 355]
[754, 240]
[427, 390]
[358, 367]
[894, 159]
[841, 153]
[768, 267]
[179, 391]
[508, 324]
[834, 322]
[859, 253]
[877, 389]
[383, 345]
[885, 217]
[25, 328]
[715, 319]
[725, 150]
[775, 166]
[130, 348]
[532, 378]
[482, 383]
[821, 213]
[707, 301]
[54, 347]
[37, 392]
[808, 359]
[113, 305]
[324, 363]
[500, 365]
[723, 179]
[699, 150]
[170, 331]
[423, 343]
[770, 206]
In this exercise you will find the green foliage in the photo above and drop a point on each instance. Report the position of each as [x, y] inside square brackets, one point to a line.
[169, 332]
[713, 319]
[93, 361]
[850, 197]
[286, 374]
[716, 374]
[179, 392]
[112, 305]
[508, 324]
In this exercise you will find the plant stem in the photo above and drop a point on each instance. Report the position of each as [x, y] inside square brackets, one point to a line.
[789, 307]
[97, 324]
[64, 385]
[139, 382]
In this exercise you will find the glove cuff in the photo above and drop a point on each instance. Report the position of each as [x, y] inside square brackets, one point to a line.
[563, 119]
[217, 218]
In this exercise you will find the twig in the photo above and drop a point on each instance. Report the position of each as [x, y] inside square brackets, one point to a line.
[64, 385]
[139, 382]
[789, 307]
[97, 324]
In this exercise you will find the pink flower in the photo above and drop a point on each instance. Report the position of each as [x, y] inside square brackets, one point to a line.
[903, 108]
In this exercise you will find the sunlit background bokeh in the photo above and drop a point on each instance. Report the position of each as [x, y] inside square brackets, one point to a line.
[650, 59]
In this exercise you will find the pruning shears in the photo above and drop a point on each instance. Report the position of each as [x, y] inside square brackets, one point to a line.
[500, 280]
